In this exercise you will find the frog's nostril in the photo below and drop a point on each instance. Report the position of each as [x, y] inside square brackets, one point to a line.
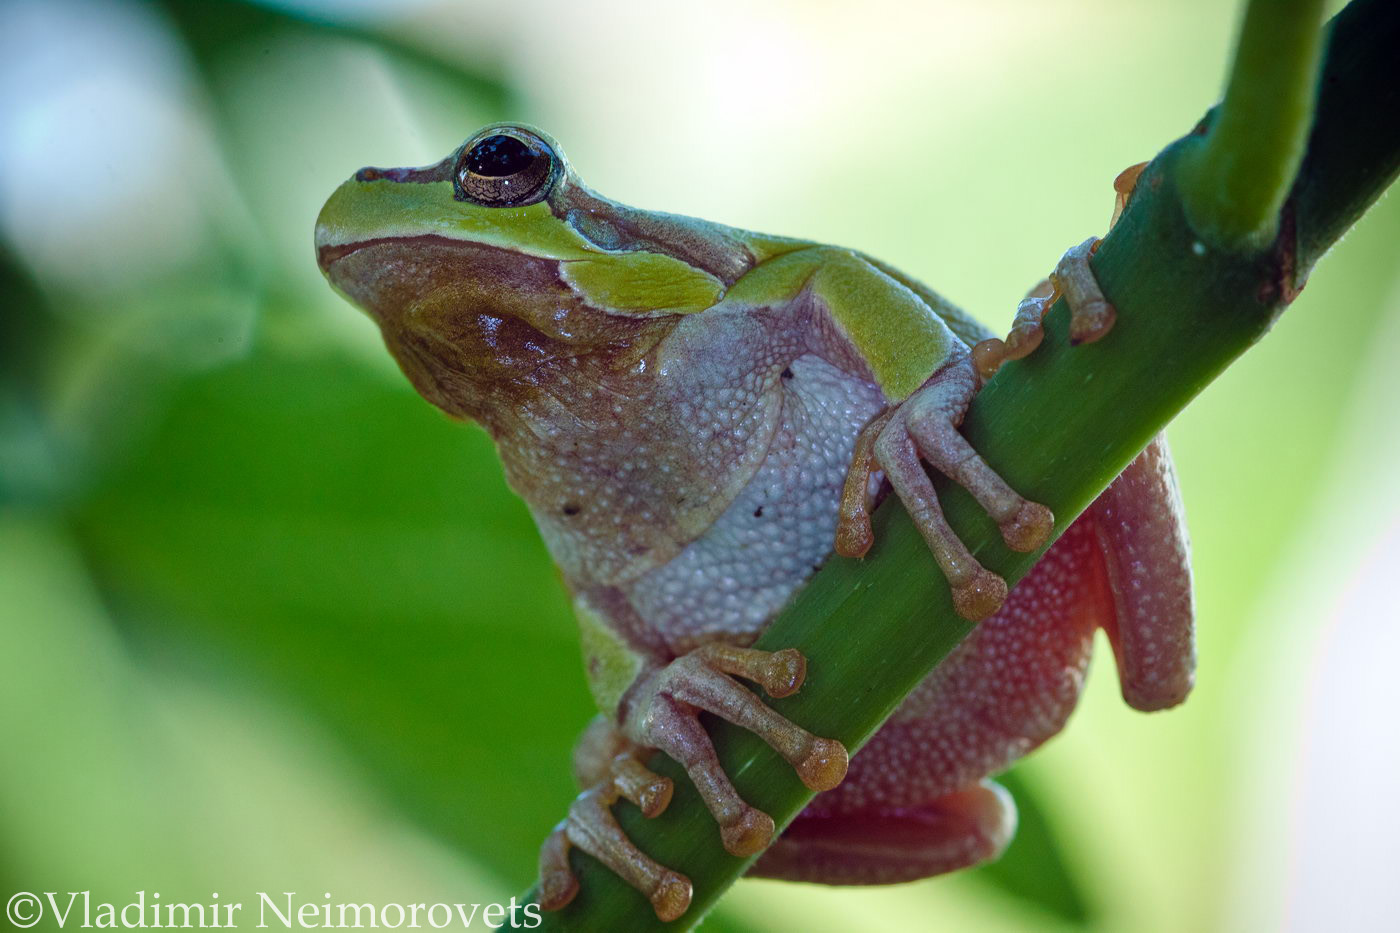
[369, 174]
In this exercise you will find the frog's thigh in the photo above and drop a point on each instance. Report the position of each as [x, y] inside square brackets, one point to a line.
[1142, 531]
[1007, 688]
[884, 846]
[917, 787]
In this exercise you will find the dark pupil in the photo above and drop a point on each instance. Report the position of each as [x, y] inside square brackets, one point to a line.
[498, 156]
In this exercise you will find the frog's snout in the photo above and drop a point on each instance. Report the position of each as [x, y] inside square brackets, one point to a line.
[349, 217]
[335, 234]
[327, 249]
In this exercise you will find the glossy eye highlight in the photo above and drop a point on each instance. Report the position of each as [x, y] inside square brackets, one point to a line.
[498, 156]
[509, 168]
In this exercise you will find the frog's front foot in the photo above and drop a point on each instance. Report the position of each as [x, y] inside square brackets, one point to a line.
[664, 714]
[925, 427]
[1091, 315]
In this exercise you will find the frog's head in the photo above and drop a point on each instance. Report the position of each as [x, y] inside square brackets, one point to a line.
[487, 268]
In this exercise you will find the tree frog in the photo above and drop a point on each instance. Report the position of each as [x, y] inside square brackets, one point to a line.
[698, 417]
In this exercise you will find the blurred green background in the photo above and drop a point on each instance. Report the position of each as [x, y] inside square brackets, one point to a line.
[269, 622]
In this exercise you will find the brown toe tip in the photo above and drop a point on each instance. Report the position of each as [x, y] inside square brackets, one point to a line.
[1089, 324]
[980, 597]
[1023, 341]
[825, 765]
[749, 834]
[671, 898]
[1029, 528]
[656, 797]
[557, 889]
[787, 669]
[854, 537]
[987, 356]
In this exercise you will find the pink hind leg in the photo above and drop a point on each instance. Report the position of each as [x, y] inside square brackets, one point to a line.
[893, 844]
[1142, 532]
[915, 803]
[912, 805]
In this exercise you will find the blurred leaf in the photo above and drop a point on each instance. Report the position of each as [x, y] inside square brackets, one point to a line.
[165, 784]
[335, 539]
[1034, 867]
[31, 471]
[209, 28]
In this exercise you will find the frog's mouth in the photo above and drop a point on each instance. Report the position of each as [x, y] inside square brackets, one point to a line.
[327, 254]
[474, 325]
[332, 246]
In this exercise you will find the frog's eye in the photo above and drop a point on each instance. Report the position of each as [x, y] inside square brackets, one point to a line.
[506, 169]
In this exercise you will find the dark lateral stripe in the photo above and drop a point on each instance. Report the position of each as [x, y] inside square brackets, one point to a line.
[428, 174]
[326, 255]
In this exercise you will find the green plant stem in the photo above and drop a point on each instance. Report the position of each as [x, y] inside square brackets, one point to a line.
[1235, 179]
[1059, 426]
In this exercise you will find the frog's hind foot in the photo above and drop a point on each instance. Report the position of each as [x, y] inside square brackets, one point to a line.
[701, 681]
[665, 715]
[591, 826]
[925, 427]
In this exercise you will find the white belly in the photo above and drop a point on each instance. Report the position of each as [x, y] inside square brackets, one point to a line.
[731, 580]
